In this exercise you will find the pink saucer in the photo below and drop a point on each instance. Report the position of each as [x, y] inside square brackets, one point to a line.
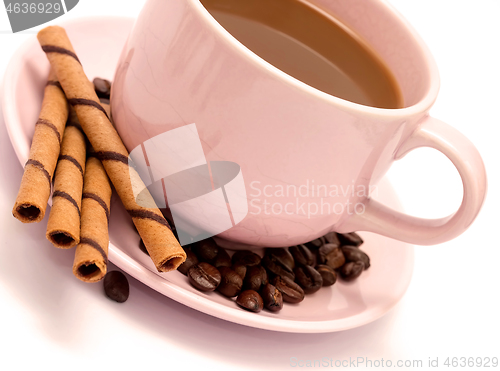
[98, 43]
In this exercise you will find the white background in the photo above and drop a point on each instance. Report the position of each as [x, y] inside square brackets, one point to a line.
[450, 309]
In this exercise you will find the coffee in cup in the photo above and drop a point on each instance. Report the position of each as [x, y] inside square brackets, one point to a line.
[312, 46]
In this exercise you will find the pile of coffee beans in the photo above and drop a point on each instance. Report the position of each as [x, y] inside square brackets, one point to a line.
[282, 275]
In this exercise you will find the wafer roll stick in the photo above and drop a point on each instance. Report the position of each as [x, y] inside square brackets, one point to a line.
[91, 254]
[155, 231]
[63, 226]
[34, 191]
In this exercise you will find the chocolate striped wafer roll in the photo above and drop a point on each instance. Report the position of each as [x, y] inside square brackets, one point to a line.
[163, 247]
[91, 254]
[63, 226]
[34, 191]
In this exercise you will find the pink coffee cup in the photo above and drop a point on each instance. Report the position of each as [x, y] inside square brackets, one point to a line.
[294, 144]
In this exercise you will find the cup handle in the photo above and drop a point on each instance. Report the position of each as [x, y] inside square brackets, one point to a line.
[380, 219]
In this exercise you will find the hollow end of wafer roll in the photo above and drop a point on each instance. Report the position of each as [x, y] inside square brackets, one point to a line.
[28, 213]
[171, 264]
[90, 271]
[160, 242]
[62, 239]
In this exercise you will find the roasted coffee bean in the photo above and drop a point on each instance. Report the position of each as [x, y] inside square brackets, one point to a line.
[245, 257]
[256, 277]
[335, 258]
[205, 250]
[116, 286]
[308, 278]
[351, 239]
[222, 259]
[330, 254]
[327, 273]
[351, 270]
[102, 87]
[265, 276]
[250, 300]
[276, 267]
[283, 255]
[231, 282]
[240, 269]
[273, 300]
[291, 291]
[204, 277]
[191, 260]
[323, 252]
[354, 254]
[302, 255]
[143, 247]
[315, 244]
[332, 238]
